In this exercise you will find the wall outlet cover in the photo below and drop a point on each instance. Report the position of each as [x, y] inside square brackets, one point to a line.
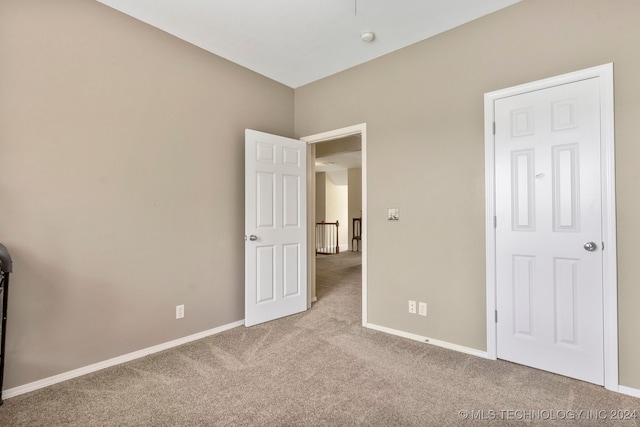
[412, 307]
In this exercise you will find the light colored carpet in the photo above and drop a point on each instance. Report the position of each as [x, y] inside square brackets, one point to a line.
[316, 368]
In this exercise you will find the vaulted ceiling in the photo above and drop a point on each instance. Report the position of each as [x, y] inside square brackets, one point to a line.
[296, 42]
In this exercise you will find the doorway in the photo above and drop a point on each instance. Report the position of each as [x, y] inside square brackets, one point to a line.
[540, 198]
[312, 141]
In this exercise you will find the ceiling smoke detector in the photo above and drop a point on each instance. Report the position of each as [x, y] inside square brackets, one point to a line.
[367, 36]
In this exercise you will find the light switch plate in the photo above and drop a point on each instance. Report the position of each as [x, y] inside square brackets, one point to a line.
[422, 309]
[393, 214]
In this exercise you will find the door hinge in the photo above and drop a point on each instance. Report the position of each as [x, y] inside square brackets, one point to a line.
[495, 222]
[494, 128]
[603, 246]
[496, 316]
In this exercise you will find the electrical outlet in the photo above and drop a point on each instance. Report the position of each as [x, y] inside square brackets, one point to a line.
[179, 311]
[422, 309]
[412, 307]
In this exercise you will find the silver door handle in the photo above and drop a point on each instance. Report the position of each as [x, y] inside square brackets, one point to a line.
[253, 237]
[590, 246]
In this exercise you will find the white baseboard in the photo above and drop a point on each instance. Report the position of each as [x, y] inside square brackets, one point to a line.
[629, 391]
[115, 361]
[428, 340]
[26, 388]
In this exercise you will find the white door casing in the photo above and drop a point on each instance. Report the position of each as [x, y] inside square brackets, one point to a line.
[549, 194]
[275, 227]
[359, 129]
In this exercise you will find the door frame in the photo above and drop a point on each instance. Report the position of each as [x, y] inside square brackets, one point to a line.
[609, 254]
[360, 129]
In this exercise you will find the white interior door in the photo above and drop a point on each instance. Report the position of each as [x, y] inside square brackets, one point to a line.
[275, 227]
[549, 285]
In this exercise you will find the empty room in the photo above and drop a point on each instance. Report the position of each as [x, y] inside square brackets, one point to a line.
[158, 209]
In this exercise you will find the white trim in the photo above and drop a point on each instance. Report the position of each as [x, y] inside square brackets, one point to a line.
[335, 134]
[427, 340]
[629, 391]
[26, 388]
[610, 281]
[342, 133]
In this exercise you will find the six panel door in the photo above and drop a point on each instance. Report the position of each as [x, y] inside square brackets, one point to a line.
[548, 232]
[275, 227]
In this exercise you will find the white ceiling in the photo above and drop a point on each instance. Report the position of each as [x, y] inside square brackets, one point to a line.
[296, 42]
[339, 161]
[336, 165]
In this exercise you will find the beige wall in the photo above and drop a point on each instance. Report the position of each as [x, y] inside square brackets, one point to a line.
[332, 204]
[321, 196]
[423, 106]
[121, 177]
[347, 144]
[338, 208]
[121, 183]
[355, 201]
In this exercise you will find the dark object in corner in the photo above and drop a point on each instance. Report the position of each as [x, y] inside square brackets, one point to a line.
[357, 233]
[6, 266]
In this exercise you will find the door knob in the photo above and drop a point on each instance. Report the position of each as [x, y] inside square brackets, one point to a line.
[253, 237]
[590, 246]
